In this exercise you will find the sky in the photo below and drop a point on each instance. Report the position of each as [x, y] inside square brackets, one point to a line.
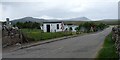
[59, 9]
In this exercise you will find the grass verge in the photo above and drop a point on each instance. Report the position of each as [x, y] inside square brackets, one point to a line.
[38, 35]
[108, 50]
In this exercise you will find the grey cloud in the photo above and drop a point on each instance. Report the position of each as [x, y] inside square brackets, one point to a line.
[99, 10]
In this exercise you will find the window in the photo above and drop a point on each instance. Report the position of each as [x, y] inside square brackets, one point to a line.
[57, 26]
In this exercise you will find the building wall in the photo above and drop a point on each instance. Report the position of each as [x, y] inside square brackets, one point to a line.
[53, 27]
[68, 27]
[74, 27]
[44, 28]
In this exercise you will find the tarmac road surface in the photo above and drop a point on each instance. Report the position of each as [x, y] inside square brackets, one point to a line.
[85, 46]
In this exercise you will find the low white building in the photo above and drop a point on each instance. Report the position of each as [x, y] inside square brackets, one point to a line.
[57, 27]
[52, 26]
[67, 27]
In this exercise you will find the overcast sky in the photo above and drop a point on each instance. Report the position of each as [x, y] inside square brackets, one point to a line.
[59, 9]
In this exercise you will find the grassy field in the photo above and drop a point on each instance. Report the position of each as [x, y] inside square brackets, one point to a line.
[108, 50]
[108, 22]
[37, 35]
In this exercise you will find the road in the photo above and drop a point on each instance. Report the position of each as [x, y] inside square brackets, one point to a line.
[85, 46]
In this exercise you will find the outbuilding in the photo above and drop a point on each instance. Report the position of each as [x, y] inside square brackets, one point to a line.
[53, 26]
[73, 27]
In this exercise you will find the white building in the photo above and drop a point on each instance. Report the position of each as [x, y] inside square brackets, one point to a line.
[57, 27]
[52, 26]
[67, 27]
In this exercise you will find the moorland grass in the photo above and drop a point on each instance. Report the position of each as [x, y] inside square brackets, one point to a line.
[38, 35]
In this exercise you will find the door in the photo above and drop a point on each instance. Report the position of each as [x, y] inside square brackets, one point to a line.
[48, 28]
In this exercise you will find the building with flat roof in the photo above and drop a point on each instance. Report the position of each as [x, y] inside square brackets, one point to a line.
[53, 26]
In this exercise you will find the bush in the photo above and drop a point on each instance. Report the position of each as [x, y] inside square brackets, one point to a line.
[28, 25]
[88, 25]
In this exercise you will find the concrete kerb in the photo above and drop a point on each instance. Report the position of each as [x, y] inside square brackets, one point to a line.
[44, 42]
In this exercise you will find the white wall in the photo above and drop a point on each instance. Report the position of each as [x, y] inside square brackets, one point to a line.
[44, 28]
[68, 27]
[53, 27]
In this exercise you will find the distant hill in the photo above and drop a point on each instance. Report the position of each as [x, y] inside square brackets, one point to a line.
[109, 21]
[26, 19]
[79, 19]
[105, 21]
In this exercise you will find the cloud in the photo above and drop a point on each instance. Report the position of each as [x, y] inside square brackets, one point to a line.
[93, 9]
[46, 17]
[1, 10]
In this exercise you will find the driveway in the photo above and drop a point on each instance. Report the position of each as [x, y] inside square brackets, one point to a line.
[85, 46]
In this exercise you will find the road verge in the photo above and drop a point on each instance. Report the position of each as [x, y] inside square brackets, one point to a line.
[108, 50]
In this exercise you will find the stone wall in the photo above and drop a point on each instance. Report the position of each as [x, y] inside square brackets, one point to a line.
[116, 38]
